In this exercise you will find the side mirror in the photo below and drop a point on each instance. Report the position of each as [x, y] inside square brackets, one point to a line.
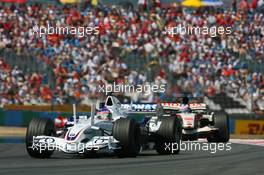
[159, 110]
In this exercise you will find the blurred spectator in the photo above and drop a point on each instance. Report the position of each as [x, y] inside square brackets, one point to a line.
[200, 64]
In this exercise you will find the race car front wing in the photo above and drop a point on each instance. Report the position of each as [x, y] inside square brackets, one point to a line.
[97, 143]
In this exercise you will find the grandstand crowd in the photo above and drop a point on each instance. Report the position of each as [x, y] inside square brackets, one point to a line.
[200, 64]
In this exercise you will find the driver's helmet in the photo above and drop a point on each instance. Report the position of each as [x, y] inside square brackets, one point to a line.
[185, 100]
[104, 114]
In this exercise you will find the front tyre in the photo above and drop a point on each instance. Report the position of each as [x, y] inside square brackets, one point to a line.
[127, 132]
[37, 127]
[170, 132]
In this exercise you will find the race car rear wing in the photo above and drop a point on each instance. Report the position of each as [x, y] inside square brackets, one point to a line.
[177, 106]
[147, 108]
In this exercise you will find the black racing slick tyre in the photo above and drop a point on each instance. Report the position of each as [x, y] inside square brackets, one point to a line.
[169, 136]
[127, 132]
[37, 127]
[221, 121]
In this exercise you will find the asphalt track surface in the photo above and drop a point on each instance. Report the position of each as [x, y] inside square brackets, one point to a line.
[241, 159]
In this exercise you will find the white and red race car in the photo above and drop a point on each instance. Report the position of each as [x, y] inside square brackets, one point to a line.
[198, 122]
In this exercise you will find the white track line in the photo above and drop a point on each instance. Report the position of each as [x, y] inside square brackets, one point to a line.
[258, 142]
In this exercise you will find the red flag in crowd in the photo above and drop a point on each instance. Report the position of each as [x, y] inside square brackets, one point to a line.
[14, 1]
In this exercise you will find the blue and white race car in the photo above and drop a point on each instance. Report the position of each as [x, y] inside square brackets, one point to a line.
[108, 130]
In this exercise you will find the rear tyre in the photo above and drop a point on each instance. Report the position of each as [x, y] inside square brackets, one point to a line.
[221, 121]
[170, 132]
[37, 127]
[127, 132]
